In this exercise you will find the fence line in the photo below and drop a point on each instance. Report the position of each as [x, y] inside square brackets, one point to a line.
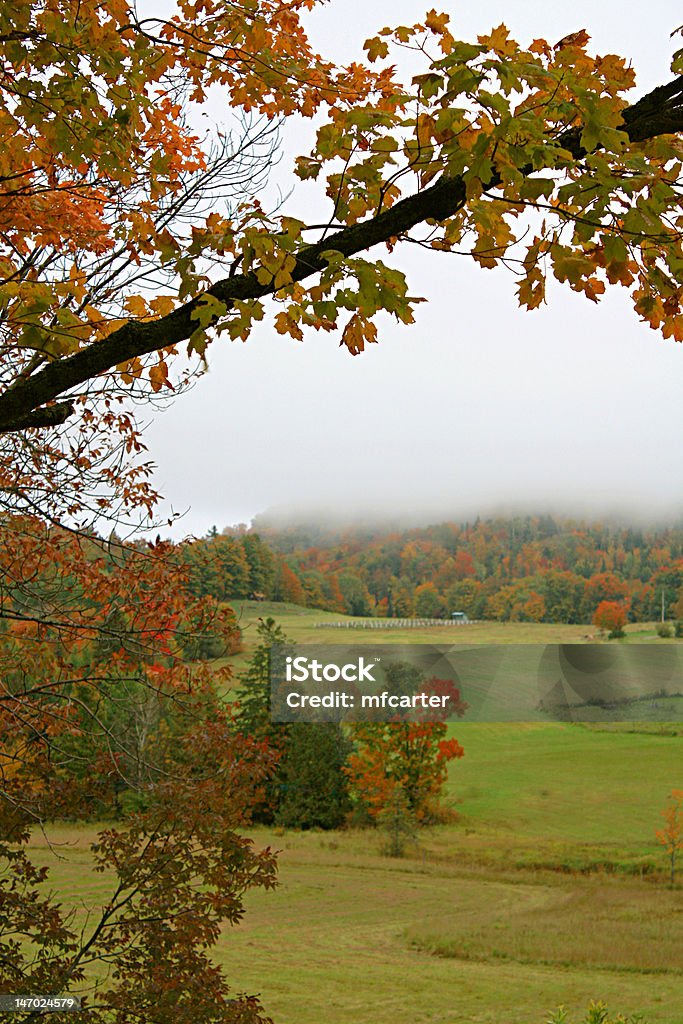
[393, 623]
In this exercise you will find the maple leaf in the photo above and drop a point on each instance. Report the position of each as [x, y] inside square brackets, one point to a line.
[499, 41]
[437, 23]
[579, 39]
[376, 48]
[357, 332]
[158, 375]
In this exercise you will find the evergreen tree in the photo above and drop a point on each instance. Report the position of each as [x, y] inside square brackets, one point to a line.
[253, 716]
[309, 789]
[314, 787]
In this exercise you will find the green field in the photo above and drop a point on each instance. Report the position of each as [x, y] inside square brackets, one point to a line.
[548, 888]
[503, 683]
[301, 625]
[311, 625]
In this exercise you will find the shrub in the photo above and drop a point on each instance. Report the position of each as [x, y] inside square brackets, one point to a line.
[597, 1013]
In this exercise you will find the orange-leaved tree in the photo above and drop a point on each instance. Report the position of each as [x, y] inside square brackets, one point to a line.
[671, 836]
[406, 760]
[611, 616]
[102, 716]
[409, 757]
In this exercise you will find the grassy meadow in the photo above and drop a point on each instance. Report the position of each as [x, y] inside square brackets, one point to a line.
[312, 626]
[547, 888]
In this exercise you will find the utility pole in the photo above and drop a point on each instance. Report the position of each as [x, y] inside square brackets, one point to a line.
[662, 604]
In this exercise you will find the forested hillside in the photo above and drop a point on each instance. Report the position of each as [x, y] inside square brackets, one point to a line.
[533, 568]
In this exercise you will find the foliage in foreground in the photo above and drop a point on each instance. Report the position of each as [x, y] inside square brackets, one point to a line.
[113, 252]
[177, 871]
[102, 716]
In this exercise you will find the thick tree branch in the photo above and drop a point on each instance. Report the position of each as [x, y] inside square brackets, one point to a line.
[659, 112]
[437, 202]
[49, 416]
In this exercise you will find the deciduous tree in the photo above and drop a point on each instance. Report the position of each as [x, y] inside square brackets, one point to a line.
[100, 715]
[671, 836]
[429, 603]
[115, 258]
[611, 616]
[411, 757]
[536, 154]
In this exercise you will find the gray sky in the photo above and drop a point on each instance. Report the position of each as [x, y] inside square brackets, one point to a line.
[478, 406]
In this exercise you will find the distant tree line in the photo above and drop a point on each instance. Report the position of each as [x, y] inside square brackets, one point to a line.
[522, 569]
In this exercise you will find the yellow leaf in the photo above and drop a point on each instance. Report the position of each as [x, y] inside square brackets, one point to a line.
[163, 304]
[437, 22]
[376, 48]
[499, 41]
[136, 306]
[285, 324]
[282, 278]
[105, 328]
[130, 370]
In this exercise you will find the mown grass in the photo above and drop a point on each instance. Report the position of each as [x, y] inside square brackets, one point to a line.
[565, 781]
[303, 625]
[604, 924]
[311, 625]
[548, 888]
[340, 944]
[351, 936]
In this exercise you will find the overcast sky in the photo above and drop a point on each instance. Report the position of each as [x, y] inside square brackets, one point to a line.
[477, 407]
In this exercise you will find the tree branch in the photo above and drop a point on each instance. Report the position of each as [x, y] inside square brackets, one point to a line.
[439, 201]
[659, 112]
[49, 416]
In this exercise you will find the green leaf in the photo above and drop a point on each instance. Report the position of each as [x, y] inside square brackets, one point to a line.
[208, 309]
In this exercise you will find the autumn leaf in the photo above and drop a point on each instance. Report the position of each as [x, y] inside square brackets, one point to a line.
[579, 39]
[358, 331]
[376, 48]
[158, 375]
[137, 306]
[499, 41]
[437, 23]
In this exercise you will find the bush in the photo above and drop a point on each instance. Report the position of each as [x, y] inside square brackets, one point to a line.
[597, 1013]
[664, 630]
